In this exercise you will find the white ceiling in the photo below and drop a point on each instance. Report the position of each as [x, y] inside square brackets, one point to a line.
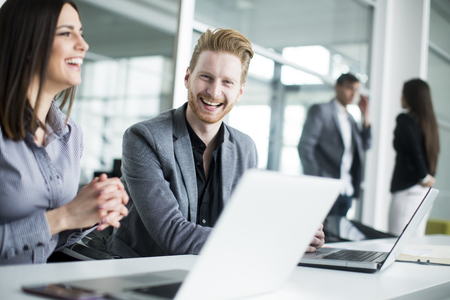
[119, 28]
[282, 23]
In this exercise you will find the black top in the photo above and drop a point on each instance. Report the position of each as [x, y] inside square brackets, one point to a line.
[210, 201]
[411, 163]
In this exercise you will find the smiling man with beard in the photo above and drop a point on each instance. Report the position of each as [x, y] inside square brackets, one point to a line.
[181, 167]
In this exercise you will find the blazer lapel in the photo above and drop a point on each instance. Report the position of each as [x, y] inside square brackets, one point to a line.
[228, 164]
[183, 154]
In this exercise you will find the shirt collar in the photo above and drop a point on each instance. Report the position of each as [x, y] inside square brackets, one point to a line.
[55, 124]
[197, 142]
[56, 120]
[341, 108]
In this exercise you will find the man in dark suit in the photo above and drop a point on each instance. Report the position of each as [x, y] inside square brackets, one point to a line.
[181, 167]
[333, 146]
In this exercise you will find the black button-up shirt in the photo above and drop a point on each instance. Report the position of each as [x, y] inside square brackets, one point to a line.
[210, 201]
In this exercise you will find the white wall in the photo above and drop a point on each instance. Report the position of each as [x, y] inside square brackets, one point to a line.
[400, 52]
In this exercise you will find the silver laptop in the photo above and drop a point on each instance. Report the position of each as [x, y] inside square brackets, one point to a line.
[254, 247]
[369, 261]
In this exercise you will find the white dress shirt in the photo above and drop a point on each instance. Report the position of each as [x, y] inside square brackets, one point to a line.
[347, 157]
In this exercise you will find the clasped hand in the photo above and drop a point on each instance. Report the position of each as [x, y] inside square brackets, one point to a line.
[102, 202]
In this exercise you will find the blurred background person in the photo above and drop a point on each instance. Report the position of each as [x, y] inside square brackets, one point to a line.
[416, 141]
[333, 146]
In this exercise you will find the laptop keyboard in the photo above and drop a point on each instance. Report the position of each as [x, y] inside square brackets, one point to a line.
[354, 255]
[166, 291]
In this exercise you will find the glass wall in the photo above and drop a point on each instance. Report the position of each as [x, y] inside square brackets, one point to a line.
[323, 38]
[438, 76]
[127, 73]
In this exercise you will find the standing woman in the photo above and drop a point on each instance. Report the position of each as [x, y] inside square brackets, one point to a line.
[416, 140]
[41, 51]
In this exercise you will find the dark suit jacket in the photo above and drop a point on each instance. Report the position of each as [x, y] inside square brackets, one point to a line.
[411, 164]
[321, 146]
[159, 175]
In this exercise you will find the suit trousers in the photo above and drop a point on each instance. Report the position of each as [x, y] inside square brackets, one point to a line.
[341, 206]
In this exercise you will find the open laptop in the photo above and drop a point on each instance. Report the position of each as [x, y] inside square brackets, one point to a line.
[254, 247]
[369, 261]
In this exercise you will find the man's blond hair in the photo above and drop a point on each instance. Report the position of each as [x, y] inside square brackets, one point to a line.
[224, 41]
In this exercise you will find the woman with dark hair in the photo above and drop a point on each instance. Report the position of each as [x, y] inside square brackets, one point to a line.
[416, 141]
[41, 52]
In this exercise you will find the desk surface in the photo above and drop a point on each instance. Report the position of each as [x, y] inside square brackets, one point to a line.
[399, 281]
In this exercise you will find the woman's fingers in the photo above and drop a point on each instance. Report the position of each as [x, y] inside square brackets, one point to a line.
[105, 185]
[114, 204]
[112, 219]
[101, 201]
[106, 196]
[102, 226]
[111, 185]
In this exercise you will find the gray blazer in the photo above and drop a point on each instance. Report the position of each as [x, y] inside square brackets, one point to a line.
[159, 175]
[321, 146]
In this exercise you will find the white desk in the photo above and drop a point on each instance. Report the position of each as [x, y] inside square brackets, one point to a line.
[399, 281]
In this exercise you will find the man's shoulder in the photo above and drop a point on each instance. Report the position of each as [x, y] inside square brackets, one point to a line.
[321, 109]
[161, 123]
[234, 131]
[157, 133]
[323, 105]
[237, 136]
[241, 145]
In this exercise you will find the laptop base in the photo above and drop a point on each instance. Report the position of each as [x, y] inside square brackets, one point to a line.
[351, 269]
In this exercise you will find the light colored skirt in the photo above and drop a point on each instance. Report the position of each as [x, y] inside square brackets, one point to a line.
[403, 205]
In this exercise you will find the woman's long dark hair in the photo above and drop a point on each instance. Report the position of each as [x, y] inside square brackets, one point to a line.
[27, 31]
[418, 97]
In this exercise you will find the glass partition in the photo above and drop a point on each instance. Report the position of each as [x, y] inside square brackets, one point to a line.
[127, 73]
[438, 75]
[324, 38]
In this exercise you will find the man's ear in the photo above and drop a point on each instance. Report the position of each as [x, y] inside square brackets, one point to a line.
[186, 77]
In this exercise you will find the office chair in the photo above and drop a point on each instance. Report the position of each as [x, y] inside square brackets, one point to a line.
[91, 247]
[340, 229]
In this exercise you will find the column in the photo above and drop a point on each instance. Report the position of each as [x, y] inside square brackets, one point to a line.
[183, 50]
[400, 52]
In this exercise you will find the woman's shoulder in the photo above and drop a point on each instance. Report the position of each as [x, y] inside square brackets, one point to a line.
[407, 122]
[406, 118]
[1, 136]
[4, 139]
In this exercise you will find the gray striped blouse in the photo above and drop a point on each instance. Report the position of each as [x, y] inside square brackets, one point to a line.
[33, 180]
